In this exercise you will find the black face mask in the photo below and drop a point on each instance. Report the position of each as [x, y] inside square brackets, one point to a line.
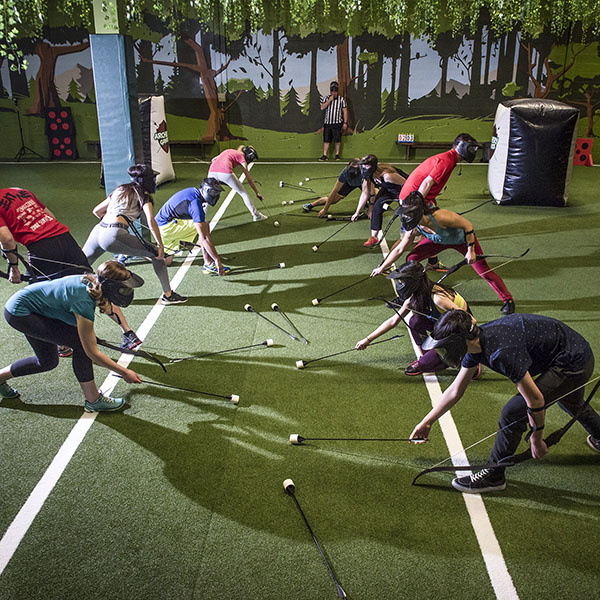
[451, 349]
[406, 285]
[411, 216]
[147, 181]
[120, 292]
[210, 190]
[467, 150]
[250, 154]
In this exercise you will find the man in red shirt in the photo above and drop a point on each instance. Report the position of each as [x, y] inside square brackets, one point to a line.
[52, 251]
[430, 177]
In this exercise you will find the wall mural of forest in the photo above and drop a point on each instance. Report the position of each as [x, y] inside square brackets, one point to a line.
[266, 86]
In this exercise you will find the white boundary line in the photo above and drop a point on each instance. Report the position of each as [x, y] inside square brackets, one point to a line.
[22, 522]
[484, 532]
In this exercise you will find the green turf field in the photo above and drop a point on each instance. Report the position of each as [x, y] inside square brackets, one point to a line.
[180, 496]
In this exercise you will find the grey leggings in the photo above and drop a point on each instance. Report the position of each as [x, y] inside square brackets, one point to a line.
[118, 241]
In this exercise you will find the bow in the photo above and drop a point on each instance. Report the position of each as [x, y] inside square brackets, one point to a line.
[23, 276]
[464, 262]
[141, 353]
[510, 461]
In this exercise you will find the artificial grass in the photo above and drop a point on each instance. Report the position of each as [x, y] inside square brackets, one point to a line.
[180, 496]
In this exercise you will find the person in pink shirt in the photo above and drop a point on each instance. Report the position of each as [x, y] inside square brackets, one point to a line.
[222, 166]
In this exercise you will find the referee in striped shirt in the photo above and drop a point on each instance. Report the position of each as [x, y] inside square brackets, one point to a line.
[336, 120]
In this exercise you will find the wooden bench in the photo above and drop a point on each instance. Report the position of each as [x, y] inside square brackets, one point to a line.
[197, 143]
[434, 145]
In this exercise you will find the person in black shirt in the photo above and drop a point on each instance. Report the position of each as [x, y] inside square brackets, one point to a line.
[520, 347]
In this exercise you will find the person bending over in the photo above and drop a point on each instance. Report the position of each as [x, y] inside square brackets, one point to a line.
[442, 229]
[521, 347]
[389, 181]
[61, 312]
[427, 301]
[221, 168]
[117, 213]
[182, 218]
[348, 180]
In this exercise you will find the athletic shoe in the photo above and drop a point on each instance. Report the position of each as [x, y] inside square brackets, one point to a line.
[486, 480]
[324, 157]
[65, 351]
[413, 368]
[307, 207]
[8, 392]
[337, 157]
[438, 267]
[104, 404]
[258, 216]
[212, 269]
[372, 241]
[508, 308]
[593, 443]
[174, 298]
[130, 341]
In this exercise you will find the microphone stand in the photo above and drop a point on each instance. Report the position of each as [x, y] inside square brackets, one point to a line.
[23, 150]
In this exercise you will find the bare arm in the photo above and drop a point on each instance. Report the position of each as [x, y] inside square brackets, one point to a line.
[535, 400]
[426, 185]
[345, 113]
[365, 194]
[383, 328]
[251, 181]
[331, 199]
[7, 241]
[396, 252]
[206, 242]
[149, 212]
[100, 209]
[87, 335]
[449, 398]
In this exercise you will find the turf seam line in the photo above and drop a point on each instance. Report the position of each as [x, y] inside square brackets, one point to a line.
[489, 546]
[23, 520]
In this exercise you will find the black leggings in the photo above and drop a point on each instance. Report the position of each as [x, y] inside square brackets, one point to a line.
[384, 196]
[44, 336]
[553, 384]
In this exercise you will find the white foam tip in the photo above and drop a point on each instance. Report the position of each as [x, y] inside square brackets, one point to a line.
[282, 265]
[287, 483]
[386, 206]
[247, 307]
[235, 398]
[294, 438]
[300, 364]
[284, 203]
[307, 179]
[274, 306]
[330, 216]
[281, 184]
[291, 202]
[315, 248]
[301, 183]
[269, 342]
[276, 223]
[315, 301]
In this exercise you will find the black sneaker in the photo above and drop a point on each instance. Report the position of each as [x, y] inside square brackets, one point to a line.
[508, 308]
[174, 298]
[130, 341]
[324, 157]
[593, 443]
[337, 157]
[486, 480]
[413, 369]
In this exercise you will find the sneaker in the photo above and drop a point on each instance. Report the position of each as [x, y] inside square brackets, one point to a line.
[8, 392]
[337, 157]
[174, 298]
[324, 157]
[104, 404]
[307, 207]
[212, 269]
[438, 267]
[258, 216]
[486, 480]
[123, 259]
[65, 351]
[130, 341]
[413, 369]
[508, 308]
[593, 443]
[372, 241]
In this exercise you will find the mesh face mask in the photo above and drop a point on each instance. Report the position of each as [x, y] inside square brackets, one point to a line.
[120, 292]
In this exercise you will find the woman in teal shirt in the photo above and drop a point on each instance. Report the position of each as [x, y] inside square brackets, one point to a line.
[61, 313]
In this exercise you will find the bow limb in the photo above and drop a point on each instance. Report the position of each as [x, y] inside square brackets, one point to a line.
[140, 353]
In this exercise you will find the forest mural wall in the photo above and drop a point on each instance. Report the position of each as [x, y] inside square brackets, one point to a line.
[266, 86]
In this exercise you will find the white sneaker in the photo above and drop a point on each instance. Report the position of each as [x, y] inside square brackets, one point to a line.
[258, 216]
